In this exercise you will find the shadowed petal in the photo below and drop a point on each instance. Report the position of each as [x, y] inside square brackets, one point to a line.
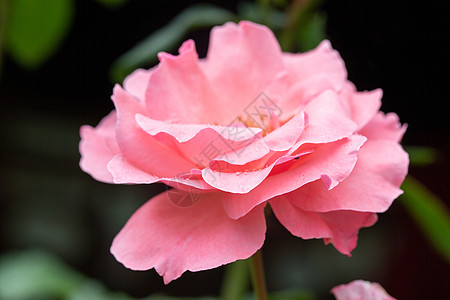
[337, 227]
[175, 239]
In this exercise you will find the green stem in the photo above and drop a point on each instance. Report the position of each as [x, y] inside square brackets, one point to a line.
[3, 13]
[258, 278]
[235, 281]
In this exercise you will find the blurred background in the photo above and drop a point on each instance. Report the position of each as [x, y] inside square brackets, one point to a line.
[59, 62]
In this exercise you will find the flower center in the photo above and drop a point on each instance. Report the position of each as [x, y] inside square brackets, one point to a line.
[267, 123]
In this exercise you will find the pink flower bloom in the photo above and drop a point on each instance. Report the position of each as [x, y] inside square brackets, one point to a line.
[246, 126]
[360, 290]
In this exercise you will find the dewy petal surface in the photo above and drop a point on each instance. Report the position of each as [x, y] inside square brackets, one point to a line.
[371, 187]
[330, 162]
[175, 239]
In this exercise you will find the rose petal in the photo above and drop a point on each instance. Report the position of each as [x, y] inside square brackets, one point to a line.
[362, 106]
[139, 148]
[285, 137]
[98, 147]
[327, 120]
[330, 162]
[125, 173]
[175, 239]
[371, 187]
[178, 90]
[360, 290]
[136, 83]
[384, 126]
[337, 227]
[243, 60]
[321, 61]
[200, 143]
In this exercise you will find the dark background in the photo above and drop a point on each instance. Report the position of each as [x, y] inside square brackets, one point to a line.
[47, 202]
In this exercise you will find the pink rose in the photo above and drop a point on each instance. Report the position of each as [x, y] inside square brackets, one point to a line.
[360, 290]
[246, 126]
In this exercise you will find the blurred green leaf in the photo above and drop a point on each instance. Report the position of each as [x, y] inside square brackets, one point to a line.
[34, 29]
[112, 3]
[251, 11]
[295, 294]
[34, 274]
[312, 32]
[302, 16]
[421, 155]
[167, 37]
[94, 290]
[430, 214]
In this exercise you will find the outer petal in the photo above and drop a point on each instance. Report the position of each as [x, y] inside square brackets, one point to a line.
[243, 60]
[371, 187]
[384, 127]
[173, 240]
[136, 83]
[360, 290]
[321, 68]
[362, 106]
[125, 172]
[330, 162]
[179, 91]
[98, 147]
[338, 227]
[140, 149]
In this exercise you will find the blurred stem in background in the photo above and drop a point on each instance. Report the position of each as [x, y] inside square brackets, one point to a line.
[258, 276]
[4, 5]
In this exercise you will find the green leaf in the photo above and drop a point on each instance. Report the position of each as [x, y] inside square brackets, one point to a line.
[430, 214]
[310, 34]
[421, 155]
[34, 274]
[166, 38]
[34, 29]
